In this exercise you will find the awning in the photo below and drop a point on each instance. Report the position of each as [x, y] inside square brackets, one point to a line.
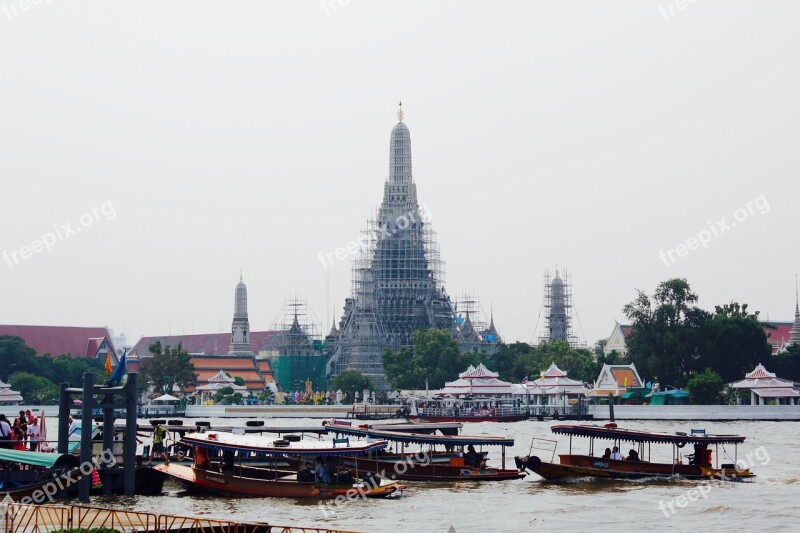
[39, 458]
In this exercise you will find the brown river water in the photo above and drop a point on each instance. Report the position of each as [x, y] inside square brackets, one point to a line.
[770, 502]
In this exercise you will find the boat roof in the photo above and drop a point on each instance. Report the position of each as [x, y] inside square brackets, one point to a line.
[345, 428]
[447, 428]
[38, 458]
[613, 433]
[260, 445]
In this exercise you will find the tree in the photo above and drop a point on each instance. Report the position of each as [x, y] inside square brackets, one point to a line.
[238, 380]
[787, 364]
[705, 388]
[167, 368]
[350, 382]
[16, 356]
[34, 389]
[434, 357]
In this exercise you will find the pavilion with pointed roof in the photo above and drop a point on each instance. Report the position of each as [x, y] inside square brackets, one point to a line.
[218, 381]
[8, 396]
[553, 388]
[616, 380]
[478, 381]
[765, 386]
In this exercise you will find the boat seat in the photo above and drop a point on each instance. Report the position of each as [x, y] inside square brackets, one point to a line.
[346, 442]
[698, 432]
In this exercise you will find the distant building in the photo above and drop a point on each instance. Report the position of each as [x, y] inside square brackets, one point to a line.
[8, 396]
[479, 382]
[398, 279]
[765, 387]
[93, 343]
[616, 380]
[215, 383]
[553, 388]
[616, 341]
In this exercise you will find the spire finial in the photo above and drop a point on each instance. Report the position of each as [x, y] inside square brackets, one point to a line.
[241, 277]
[796, 296]
[400, 113]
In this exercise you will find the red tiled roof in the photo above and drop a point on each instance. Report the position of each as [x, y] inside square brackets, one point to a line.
[207, 343]
[59, 340]
[229, 362]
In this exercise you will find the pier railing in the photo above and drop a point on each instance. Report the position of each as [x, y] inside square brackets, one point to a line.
[25, 518]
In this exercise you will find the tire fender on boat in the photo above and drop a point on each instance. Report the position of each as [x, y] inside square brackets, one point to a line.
[680, 444]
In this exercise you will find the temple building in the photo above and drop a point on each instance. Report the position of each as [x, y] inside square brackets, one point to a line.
[553, 388]
[92, 343]
[398, 279]
[558, 309]
[240, 329]
[239, 353]
[8, 396]
[765, 388]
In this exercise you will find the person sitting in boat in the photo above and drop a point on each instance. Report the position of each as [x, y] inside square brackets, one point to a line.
[321, 472]
[472, 458]
[607, 454]
[701, 456]
[633, 455]
[306, 475]
[201, 458]
[615, 455]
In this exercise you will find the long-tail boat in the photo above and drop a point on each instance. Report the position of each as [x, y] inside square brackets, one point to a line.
[447, 463]
[24, 473]
[233, 476]
[703, 463]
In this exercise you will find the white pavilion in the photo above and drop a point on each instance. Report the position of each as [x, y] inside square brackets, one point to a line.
[216, 382]
[478, 381]
[553, 388]
[765, 386]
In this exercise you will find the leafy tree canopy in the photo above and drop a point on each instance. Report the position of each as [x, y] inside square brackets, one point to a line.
[434, 357]
[705, 388]
[166, 368]
[350, 382]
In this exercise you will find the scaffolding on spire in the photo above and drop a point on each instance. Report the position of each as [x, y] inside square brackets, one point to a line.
[558, 310]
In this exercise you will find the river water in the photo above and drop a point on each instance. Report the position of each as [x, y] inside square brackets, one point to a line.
[771, 501]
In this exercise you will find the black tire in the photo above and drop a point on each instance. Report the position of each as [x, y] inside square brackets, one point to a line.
[281, 443]
[292, 438]
[202, 424]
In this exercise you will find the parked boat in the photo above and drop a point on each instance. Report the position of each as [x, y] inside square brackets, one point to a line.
[233, 476]
[24, 473]
[448, 462]
[702, 463]
[467, 410]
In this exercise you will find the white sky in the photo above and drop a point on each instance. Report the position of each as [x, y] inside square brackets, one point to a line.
[253, 135]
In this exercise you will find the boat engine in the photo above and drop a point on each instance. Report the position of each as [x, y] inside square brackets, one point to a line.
[528, 462]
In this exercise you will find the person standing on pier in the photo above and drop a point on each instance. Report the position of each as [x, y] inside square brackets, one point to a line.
[159, 433]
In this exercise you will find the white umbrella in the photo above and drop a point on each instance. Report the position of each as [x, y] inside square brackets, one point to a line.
[166, 398]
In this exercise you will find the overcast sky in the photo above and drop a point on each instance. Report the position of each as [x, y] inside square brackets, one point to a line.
[210, 137]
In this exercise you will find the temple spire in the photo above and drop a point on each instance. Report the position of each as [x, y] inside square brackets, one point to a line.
[794, 334]
[400, 113]
[240, 328]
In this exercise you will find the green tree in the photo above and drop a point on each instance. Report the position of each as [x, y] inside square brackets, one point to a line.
[224, 395]
[34, 389]
[16, 356]
[787, 364]
[666, 332]
[350, 382]
[705, 388]
[238, 380]
[167, 368]
[434, 357]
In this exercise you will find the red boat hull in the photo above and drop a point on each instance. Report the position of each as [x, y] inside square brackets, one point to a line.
[197, 479]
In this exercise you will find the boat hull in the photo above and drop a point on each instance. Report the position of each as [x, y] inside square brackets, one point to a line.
[279, 485]
[577, 466]
[407, 470]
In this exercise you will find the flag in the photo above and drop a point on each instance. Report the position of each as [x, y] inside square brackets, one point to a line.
[120, 371]
[108, 364]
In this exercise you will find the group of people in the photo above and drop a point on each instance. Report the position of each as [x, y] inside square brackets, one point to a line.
[616, 455]
[322, 472]
[21, 434]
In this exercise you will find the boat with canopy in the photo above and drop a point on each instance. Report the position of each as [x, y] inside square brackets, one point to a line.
[25, 472]
[439, 458]
[703, 463]
[234, 476]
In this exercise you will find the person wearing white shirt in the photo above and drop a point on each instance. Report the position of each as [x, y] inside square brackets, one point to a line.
[33, 435]
[616, 455]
